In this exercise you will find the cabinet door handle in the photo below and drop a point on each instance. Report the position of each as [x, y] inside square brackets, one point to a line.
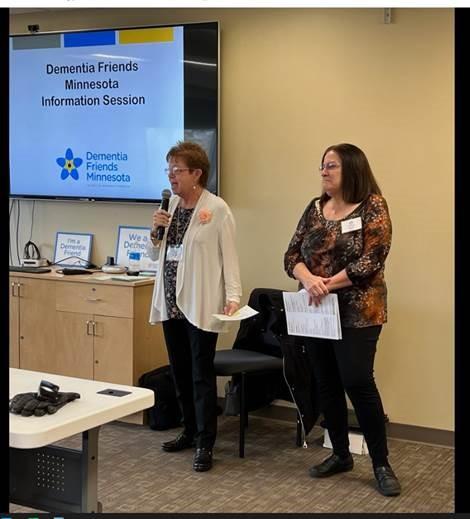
[88, 328]
[19, 285]
[94, 299]
[94, 327]
[13, 289]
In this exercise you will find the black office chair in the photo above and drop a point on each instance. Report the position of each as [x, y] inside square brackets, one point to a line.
[255, 360]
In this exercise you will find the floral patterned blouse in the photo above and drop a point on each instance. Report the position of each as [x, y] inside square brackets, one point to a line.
[176, 231]
[325, 250]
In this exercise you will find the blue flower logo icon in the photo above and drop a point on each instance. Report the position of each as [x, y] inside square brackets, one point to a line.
[69, 165]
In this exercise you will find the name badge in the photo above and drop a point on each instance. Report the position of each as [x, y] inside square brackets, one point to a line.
[174, 253]
[352, 224]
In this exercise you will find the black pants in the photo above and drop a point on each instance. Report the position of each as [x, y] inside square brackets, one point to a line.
[348, 365]
[191, 352]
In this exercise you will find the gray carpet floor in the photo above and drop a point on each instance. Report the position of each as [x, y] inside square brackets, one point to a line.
[136, 476]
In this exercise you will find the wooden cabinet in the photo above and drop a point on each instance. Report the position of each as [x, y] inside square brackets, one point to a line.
[84, 328]
[100, 319]
[14, 323]
[95, 347]
[32, 323]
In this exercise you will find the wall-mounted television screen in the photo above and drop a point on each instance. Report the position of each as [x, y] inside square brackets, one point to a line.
[93, 113]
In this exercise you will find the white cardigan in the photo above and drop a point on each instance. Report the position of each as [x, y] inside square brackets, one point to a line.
[208, 274]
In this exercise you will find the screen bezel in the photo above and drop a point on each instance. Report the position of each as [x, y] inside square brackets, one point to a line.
[189, 29]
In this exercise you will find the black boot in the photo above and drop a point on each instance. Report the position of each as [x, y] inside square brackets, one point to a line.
[387, 482]
[182, 441]
[332, 465]
[202, 459]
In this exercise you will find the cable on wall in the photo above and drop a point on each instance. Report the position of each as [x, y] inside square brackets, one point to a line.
[18, 229]
[32, 221]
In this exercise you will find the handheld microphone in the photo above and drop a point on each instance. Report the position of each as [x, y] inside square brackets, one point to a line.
[166, 193]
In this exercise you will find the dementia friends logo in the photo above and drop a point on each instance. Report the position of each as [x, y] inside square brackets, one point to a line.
[69, 165]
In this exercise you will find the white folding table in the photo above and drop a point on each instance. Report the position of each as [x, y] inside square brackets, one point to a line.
[59, 479]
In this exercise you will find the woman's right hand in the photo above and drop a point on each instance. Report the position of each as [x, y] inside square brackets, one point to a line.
[315, 286]
[161, 218]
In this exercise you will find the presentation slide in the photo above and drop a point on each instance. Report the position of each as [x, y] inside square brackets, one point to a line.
[93, 114]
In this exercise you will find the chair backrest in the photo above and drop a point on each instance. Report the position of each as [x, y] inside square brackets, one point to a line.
[265, 331]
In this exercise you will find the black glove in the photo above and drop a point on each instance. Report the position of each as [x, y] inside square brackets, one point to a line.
[28, 404]
[18, 402]
[63, 398]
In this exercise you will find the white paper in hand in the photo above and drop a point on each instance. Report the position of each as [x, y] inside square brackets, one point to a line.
[306, 320]
[242, 313]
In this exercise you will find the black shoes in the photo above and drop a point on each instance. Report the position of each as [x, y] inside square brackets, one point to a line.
[332, 465]
[180, 443]
[202, 460]
[388, 484]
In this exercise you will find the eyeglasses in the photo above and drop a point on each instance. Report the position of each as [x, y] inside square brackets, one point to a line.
[176, 170]
[329, 166]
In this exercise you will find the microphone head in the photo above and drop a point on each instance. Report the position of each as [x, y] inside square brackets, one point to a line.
[166, 193]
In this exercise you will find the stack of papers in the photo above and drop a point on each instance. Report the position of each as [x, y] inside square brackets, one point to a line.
[321, 321]
[125, 277]
[118, 277]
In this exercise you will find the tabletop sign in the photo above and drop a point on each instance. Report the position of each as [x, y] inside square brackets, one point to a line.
[73, 249]
[134, 239]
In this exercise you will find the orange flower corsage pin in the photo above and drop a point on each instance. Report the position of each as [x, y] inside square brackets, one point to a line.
[205, 216]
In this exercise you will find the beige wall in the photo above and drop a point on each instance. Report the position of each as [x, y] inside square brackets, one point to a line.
[294, 81]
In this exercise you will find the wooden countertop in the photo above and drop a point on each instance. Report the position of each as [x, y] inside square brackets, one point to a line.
[97, 276]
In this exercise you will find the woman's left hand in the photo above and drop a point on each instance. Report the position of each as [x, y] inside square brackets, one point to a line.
[231, 307]
[317, 300]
